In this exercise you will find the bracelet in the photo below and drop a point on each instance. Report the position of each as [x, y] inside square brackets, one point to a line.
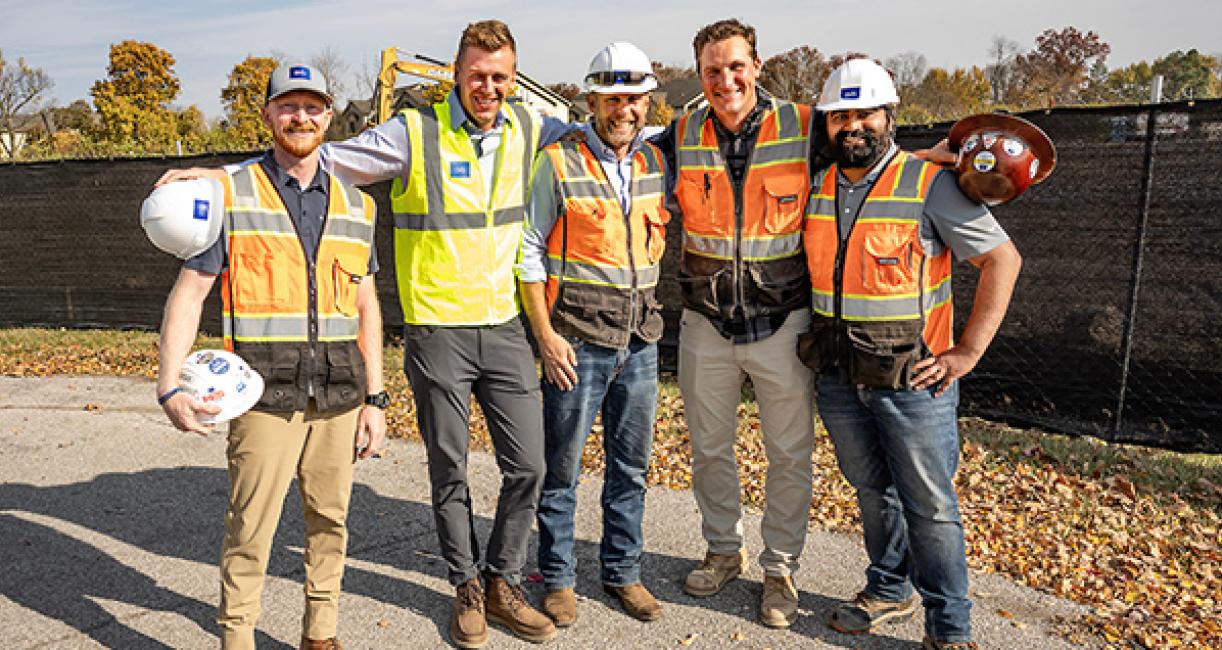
[162, 399]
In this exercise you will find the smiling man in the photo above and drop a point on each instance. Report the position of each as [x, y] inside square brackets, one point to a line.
[741, 181]
[588, 271]
[296, 264]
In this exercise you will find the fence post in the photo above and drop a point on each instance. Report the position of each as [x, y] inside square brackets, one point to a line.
[1139, 248]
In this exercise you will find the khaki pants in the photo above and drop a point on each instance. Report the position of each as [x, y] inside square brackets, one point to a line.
[711, 371]
[266, 451]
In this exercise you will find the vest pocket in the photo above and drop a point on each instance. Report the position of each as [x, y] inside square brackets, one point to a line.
[258, 286]
[655, 234]
[344, 285]
[881, 354]
[817, 345]
[783, 205]
[887, 262]
[699, 211]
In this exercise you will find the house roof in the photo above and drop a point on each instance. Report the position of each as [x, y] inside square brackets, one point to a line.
[680, 92]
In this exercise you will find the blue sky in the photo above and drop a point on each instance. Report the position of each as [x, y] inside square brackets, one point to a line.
[70, 39]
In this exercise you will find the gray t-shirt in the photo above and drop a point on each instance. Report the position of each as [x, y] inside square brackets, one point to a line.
[950, 219]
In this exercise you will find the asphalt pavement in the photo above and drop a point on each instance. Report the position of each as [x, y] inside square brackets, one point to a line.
[110, 531]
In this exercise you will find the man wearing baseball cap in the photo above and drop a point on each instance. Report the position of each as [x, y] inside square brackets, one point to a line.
[296, 263]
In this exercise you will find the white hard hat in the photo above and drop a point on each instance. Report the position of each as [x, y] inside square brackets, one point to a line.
[620, 68]
[857, 83]
[223, 379]
[183, 218]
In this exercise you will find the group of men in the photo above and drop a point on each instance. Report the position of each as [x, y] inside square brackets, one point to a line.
[802, 230]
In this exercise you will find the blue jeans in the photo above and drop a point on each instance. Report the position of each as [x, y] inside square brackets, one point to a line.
[623, 385]
[899, 450]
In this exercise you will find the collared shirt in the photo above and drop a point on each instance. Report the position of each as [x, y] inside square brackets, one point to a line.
[384, 152]
[546, 204]
[307, 208]
[950, 219]
[736, 150]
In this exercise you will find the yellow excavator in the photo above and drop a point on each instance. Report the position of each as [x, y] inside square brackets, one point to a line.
[396, 61]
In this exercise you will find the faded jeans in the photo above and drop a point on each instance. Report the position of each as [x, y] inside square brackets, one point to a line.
[899, 450]
[623, 385]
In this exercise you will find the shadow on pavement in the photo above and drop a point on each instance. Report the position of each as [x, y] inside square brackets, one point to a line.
[178, 513]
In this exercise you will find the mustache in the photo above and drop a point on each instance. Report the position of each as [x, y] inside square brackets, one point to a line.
[869, 138]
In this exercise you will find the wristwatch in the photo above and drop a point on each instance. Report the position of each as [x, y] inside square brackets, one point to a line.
[380, 400]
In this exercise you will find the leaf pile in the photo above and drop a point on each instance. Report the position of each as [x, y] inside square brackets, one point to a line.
[1103, 525]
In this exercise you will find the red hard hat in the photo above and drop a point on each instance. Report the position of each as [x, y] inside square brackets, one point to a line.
[1000, 156]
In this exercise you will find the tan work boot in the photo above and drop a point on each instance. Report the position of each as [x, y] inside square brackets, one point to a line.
[561, 606]
[714, 572]
[637, 601]
[779, 604]
[468, 629]
[325, 644]
[507, 606]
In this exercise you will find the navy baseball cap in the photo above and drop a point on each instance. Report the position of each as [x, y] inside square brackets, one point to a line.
[297, 76]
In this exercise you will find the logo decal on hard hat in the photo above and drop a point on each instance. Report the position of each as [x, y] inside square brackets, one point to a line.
[299, 72]
[1012, 146]
[1035, 166]
[460, 169]
[984, 161]
[218, 366]
[970, 143]
[852, 92]
[201, 209]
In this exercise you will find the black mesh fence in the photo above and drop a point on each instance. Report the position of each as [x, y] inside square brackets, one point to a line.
[1115, 329]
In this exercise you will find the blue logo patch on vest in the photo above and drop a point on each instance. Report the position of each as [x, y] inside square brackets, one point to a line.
[853, 92]
[299, 72]
[201, 209]
[460, 169]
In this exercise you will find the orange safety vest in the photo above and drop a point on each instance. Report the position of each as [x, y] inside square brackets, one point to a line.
[744, 253]
[293, 321]
[603, 265]
[880, 286]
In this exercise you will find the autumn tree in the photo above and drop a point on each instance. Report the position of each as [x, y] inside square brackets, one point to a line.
[22, 88]
[946, 95]
[332, 66]
[666, 73]
[660, 113]
[243, 98]
[133, 101]
[907, 69]
[1188, 75]
[1001, 70]
[1130, 84]
[796, 75]
[1056, 71]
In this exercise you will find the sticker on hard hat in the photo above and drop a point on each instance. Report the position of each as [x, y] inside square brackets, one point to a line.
[984, 161]
[460, 169]
[1013, 147]
[852, 92]
[990, 139]
[201, 209]
[970, 143]
[218, 366]
[299, 72]
[1035, 166]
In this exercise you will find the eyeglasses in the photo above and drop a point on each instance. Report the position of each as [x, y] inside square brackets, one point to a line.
[618, 77]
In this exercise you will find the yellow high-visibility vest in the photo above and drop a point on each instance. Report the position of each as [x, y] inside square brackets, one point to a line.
[456, 239]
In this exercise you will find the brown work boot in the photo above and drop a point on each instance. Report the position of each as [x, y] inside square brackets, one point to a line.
[468, 629]
[507, 606]
[561, 606]
[325, 644]
[714, 572]
[779, 604]
[636, 600]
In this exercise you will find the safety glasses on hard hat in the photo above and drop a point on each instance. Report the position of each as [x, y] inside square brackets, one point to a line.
[617, 77]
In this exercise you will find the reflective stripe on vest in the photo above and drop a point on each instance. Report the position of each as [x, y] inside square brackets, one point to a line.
[455, 243]
[887, 275]
[265, 293]
[603, 247]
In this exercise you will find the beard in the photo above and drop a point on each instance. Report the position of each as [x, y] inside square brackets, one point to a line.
[873, 147]
[295, 146]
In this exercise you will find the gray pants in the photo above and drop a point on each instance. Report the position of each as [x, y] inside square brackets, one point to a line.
[445, 365]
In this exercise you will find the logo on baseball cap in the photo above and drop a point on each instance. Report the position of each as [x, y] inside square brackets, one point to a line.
[297, 76]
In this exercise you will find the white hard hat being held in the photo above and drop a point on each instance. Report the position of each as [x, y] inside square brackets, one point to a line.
[223, 379]
[620, 68]
[184, 218]
[857, 83]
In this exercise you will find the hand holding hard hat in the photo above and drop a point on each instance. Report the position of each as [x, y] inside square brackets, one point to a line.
[1000, 156]
[217, 379]
[183, 218]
